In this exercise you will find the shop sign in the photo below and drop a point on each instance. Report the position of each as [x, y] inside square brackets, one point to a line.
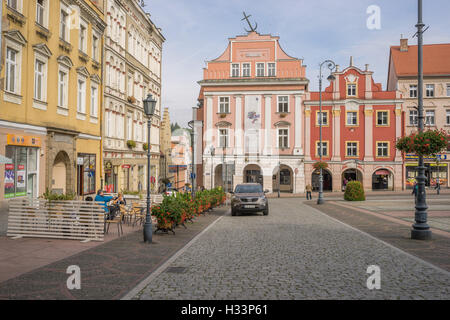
[21, 140]
[413, 157]
[126, 166]
[80, 161]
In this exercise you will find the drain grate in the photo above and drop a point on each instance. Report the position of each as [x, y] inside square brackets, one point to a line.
[176, 270]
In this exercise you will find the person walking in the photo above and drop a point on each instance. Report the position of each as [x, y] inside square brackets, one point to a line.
[438, 186]
[308, 189]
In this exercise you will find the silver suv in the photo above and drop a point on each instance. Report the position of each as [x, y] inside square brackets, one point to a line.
[249, 197]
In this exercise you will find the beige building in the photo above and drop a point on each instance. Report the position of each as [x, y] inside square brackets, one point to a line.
[133, 52]
[402, 76]
[50, 97]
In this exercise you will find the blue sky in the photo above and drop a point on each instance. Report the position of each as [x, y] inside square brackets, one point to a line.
[315, 30]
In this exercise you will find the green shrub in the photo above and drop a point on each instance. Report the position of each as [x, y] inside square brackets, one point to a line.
[52, 196]
[354, 191]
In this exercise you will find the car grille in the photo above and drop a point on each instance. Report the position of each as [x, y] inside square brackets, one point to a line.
[249, 199]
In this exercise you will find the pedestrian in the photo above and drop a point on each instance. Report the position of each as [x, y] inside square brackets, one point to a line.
[415, 191]
[100, 197]
[308, 189]
[438, 186]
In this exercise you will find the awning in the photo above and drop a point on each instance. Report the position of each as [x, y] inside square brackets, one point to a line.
[382, 173]
[5, 160]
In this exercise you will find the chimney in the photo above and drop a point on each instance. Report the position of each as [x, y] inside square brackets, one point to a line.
[367, 67]
[351, 61]
[404, 45]
[337, 68]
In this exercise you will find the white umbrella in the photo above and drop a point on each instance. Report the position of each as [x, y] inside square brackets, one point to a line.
[4, 160]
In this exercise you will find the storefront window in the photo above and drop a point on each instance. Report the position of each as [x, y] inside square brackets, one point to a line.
[86, 174]
[21, 175]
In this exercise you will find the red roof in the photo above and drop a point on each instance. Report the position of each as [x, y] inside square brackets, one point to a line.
[436, 60]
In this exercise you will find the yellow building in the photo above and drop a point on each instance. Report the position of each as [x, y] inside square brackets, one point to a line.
[51, 97]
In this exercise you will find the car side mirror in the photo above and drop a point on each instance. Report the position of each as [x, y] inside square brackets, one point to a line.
[231, 192]
[266, 191]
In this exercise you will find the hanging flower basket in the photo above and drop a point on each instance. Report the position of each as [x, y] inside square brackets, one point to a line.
[131, 144]
[145, 146]
[320, 165]
[425, 143]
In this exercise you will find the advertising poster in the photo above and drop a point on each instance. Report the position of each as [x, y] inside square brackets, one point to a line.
[9, 180]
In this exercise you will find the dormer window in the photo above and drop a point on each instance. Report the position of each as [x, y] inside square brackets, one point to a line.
[260, 69]
[235, 70]
[351, 89]
[246, 70]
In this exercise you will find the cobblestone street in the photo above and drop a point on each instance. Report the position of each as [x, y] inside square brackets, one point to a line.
[296, 252]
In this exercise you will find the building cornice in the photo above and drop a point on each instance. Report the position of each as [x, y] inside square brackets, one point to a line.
[254, 82]
[358, 101]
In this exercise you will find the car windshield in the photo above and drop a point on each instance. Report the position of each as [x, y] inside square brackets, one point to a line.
[250, 188]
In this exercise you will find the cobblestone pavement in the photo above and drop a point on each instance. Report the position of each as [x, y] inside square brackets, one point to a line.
[294, 253]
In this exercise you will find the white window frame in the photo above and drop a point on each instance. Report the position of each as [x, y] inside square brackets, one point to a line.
[283, 102]
[39, 79]
[82, 42]
[249, 69]
[320, 148]
[413, 117]
[129, 126]
[258, 69]
[430, 90]
[382, 146]
[284, 136]
[413, 88]
[67, 11]
[269, 69]
[320, 117]
[351, 146]
[351, 89]
[65, 84]
[19, 5]
[447, 116]
[40, 103]
[94, 100]
[233, 69]
[81, 100]
[95, 50]
[17, 68]
[428, 117]
[355, 118]
[223, 137]
[45, 10]
[224, 103]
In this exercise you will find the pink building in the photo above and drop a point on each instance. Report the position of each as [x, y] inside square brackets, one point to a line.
[251, 106]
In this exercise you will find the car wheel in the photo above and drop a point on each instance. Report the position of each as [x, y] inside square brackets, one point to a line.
[233, 212]
[266, 212]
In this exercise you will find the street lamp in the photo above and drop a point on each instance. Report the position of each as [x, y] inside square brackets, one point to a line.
[420, 229]
[149, 109]
[331, 65]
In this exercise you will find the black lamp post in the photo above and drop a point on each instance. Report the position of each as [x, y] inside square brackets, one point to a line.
[331, 65]
[213, 151]
[149, 109]
[420, 229]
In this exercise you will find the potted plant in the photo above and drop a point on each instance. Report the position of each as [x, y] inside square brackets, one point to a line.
[131, 144]
[424, 143]
[145, 146]
[320, 165]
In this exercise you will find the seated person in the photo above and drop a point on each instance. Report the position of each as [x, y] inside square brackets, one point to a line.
[116, 203]
[100, 197]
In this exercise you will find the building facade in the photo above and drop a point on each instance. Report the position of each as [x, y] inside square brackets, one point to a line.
[166, 151]
[52, 136]
[402, 76]
[251, 107]
[181, 155]
[133, 53]
[360, 125]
